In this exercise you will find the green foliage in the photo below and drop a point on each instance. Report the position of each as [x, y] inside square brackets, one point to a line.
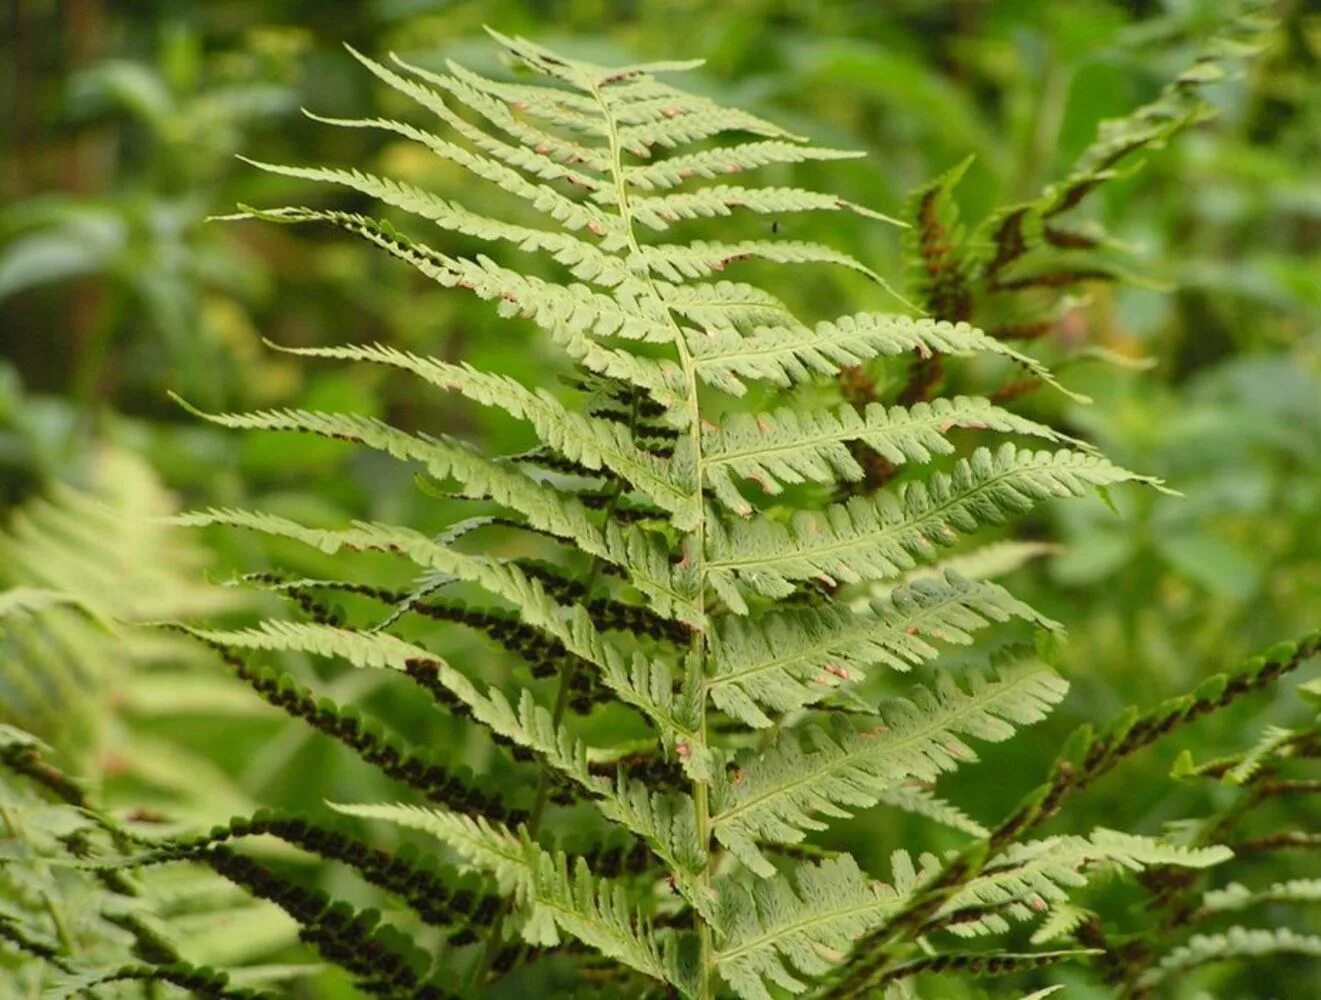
[708, 565]
[728, 559]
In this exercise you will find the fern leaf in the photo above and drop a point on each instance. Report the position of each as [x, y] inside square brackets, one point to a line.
[1239, 897]
[785, 353]
[700, 259]
[637, 681]
[594, 444]
[572, 215]
[529, 726]
[1031, 876]
[837, 771]
[572, 315]
[1271, 740]
[527, 157]
[777, 930]
[866, 540]
[788, 447]
[674, 170]
[919, 801]
[497, 112]
[697, 121]
[1063, 919]
[1236, 943]
[721, 200]
[788, 659]
[584, 260]
[546, 508]
[594, 910]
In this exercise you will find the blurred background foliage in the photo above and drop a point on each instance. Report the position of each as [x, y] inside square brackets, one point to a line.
[124, 121]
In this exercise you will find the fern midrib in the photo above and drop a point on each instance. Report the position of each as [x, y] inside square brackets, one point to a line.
[945, 722]
[697, 546]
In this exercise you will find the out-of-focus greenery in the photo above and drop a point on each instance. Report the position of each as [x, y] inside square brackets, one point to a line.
[125, 118]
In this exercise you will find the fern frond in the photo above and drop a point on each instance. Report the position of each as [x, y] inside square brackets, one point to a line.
[1032, 875]
[199, 981]
[837, 770]
[776, 930]
[533, 158]
[575, 316]
[680, 262]
[546, 508]
[675, 170]
[644, 684]
[785, 446]
[594, 444]
[572, 215]
[498, 113]
[873, 539]
[722, 200]
[919, 801]
[1239, 897]
[594, 910]
[584, 260]
[785, 353]
[788, 659]
[1236, 943]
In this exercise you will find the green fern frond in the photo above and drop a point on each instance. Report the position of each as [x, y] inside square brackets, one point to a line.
[1234, 944]
[591, 909]
[789, 352]
[786, 447]
[788, 659]
[919, 801]
[776, 930]
[584, 260]
[594, 444]
[572, 215]
[873, 539]
[1032, 875]
[533, 157]
[838, 768]
[722, 200]
[497, 112]
[1239, 897]
[630, 469]
[673, 171]
[546, 508]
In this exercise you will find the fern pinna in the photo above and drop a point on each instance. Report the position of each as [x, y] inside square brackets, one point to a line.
[702, 576]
